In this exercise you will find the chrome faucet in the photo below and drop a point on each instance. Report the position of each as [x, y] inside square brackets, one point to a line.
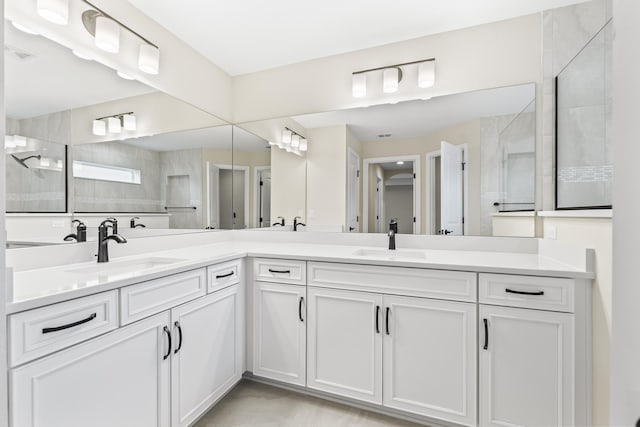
[296, 223]
[280, 223]
[103, 240]
[133, 223]
[393, 230]
[81, 232]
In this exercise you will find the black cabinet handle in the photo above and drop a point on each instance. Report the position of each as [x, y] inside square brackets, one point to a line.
[222, 276]
[511, 291]
[168, 332]
[387, 320]
[377, 319]
[486, 334]
[70, 325]
[177, 325]
[300, 308]
[279, 271]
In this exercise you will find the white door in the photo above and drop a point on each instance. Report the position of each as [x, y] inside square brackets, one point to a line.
[280, 339]
[430, 358]
[353, 195]
[207, 353]
[451, 189]
[345, 343]
[526, 368]
[214, 196]
[119, 379]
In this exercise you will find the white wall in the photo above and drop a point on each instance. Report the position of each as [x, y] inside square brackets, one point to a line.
[288, 186]
[625, 354]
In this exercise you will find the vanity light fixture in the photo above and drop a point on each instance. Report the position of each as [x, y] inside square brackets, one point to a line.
[392, 76]
[56, 11]
[291, 142]
[106, 31]
[114, 124]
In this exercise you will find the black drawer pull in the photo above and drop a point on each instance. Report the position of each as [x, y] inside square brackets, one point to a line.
[279, 271]
[70, 325]
[177, 325]
[511, 291]
[486, 334]
[300, 309]
[387, 316]
[377, 319]
[222, 276]
[168, 332]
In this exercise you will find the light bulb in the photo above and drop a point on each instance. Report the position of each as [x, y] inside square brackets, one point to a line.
[286, 136]
[391, 78]
[129, 122]
[56, 11]
[303, 145]
[107, 35]
[99, 128]
[114, 125]
[427, 74]
[359, 85]
[149, 59]
[295, 141]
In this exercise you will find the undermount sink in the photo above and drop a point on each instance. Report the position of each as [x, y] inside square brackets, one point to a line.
[391, 254]
[116, 267]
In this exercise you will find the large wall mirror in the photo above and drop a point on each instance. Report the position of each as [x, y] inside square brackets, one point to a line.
[445, 165]
[171, 165]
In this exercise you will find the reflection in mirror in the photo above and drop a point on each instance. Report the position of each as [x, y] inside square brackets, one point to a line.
[146, 167]
[446, 165]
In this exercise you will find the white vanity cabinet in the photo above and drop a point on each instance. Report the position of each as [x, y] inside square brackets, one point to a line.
[279, 320]
[532, 360]
[119, 379]
[408, 353]
[206, 359]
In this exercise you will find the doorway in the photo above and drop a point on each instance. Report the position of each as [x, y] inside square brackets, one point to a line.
[228, 196]
[391, 189]
[262, 199]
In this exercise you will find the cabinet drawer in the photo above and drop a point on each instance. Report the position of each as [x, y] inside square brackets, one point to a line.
[280, 271]
[148, 298]
[440, 284]
[223, 275]
[38, 332]
[543, 293]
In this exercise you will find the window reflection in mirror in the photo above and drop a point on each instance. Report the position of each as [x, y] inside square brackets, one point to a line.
[468, 161]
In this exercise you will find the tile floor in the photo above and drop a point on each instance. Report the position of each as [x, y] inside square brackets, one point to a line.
[252, 404]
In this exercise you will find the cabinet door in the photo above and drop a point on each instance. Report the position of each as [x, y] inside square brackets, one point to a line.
[207, 353]
[119, 379]
[280, 339]
[526, 368]
[430, 358]
[345, 343]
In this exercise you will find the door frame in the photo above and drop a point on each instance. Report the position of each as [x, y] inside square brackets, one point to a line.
[417, 196]
[256, 198]
[352, 152]
[232, 168]
[430, 161]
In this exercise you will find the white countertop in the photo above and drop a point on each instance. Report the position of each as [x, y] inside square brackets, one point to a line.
[43, 286]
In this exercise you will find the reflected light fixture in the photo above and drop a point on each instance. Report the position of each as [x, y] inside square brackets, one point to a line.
[392, 76]
[24, 28]
[287, 134]
[129, 122]
[303, 144]
[295, 141]
[292, 142]
[56, 11]
[149, 58]
[114, 124]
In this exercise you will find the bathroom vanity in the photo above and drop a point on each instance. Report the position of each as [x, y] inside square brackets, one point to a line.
[431, 333]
